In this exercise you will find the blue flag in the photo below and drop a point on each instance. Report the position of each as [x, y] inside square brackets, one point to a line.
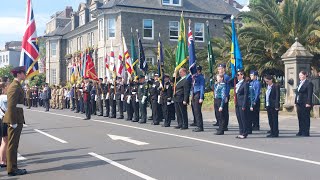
[192, 54]
[142, 58]
[236, 57]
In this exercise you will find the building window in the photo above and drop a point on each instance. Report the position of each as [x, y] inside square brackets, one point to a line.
[199, 32]
[150, 60]
[7, 59]
[111, 28]
[0, 59]
[101, 67]
[174, 30]
[148, 29]
[82, 19]
[79, 43]
[92, 39]
[69, 46]
[53, 75]
[101, 30]
[53, 49]
[172, 2]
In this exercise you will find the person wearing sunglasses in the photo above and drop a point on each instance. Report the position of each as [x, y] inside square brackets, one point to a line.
[303, 103]
[272, 104]
[242, 104]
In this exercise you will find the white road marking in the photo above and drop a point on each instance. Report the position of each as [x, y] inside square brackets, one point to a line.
[50, 136]
[203, 140]
[132, 171]
[21, 158]
[127, 139]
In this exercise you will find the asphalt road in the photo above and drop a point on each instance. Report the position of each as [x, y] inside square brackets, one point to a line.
[60, 145]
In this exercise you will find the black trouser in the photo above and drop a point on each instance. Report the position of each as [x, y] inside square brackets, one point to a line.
[254, 116]
[113, 104]
[242, 120]
[155, 111]
[120, 106]
[219, 115]
[165, 112]
[82, 109]
[194, 117]
[107, 105]
[182, 114]
[87, 107]
[172, 112]
[93, 107]
[129, 110]
[304, 119]
[77, 105]
[46, 104]
[143, 111]
[100, 104]
[225, 112]
[273, 120]
[135, 107]
[29, 103]
[197, 110]
[73, 102]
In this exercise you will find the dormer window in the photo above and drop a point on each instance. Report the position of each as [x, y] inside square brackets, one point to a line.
[172, 2]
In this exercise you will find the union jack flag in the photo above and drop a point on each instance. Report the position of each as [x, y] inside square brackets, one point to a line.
[30, 50]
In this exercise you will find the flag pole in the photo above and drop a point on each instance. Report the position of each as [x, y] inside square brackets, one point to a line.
[235, 69]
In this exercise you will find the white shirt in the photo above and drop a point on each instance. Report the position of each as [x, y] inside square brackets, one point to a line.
[3, 104]
[301, 83]
[268, 94]
[238, 85]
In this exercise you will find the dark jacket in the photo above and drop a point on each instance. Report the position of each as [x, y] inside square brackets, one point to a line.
[243, 95]
[304, 94]
[182, 92]
[274, 97]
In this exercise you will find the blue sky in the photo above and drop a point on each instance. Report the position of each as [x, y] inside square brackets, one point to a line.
[12, 17]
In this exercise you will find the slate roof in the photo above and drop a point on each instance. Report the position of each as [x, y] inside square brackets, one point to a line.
[197, 6]
[59, 31]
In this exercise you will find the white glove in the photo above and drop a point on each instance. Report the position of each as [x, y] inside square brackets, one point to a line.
[95, 97]
[159, 97]
[114, 97]
[108, 95]
[168, 103]
[122, 97]
[128, 99]
[143, 99]
[14, 126]
[137, 100]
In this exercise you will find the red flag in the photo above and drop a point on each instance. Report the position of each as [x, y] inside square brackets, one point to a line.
[106, 61]
[90, 70]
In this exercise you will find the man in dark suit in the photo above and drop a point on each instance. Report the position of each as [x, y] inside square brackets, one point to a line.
[242, 105]
[14, 118]
[46, 96]
[87, 98]
[120, 96]
[272, 104]
[154, 95]
[165, 101]
[181, 99]
[303, 102]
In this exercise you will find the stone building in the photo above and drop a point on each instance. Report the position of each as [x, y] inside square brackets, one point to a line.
[97, 23]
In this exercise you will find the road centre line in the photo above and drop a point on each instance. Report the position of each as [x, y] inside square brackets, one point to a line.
[50, 136]
[132, 171]
[201, 140]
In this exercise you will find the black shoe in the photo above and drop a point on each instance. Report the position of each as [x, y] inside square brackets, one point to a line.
[100, 115]
[272, 136]
[86, 119]
[155, 124]
[299, 134]
[216, 124]
[225, 129]
[193, 124]
[165, 125]
[121, 117]
[269, 131]
[134, 121]
[197, 130]
[142, 122]
[177, 127]
[305, 134]
[184, 128]
[113, 117]
[3, 165]
[219, 133]
[18, 172]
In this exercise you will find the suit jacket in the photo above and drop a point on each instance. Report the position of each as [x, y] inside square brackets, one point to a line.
[274, 97]
[243, 95]
[182, 91]
[304, 94]
[14, 114]
[86, 93]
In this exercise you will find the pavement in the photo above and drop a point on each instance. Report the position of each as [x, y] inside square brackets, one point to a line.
[60, 145]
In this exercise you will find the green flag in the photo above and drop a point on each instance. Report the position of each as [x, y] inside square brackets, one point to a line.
[133, 54]
[181, 52]
[211, 59]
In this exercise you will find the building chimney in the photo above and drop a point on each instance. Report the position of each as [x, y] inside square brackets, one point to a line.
[68, 11]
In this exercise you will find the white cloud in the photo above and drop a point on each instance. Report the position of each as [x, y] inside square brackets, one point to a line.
[12, 25]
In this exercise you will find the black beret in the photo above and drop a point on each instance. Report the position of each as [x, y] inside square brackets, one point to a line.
[222, 65]
[17, 70]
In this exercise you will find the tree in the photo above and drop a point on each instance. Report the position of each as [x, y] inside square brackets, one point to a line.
[5, 71]
[271, 28]
[38, 80]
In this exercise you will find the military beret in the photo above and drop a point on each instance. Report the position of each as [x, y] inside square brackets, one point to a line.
[253, 72]
[141, 76]
[199, 68]
[101, 79]
[17, 70]
[222, 65]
